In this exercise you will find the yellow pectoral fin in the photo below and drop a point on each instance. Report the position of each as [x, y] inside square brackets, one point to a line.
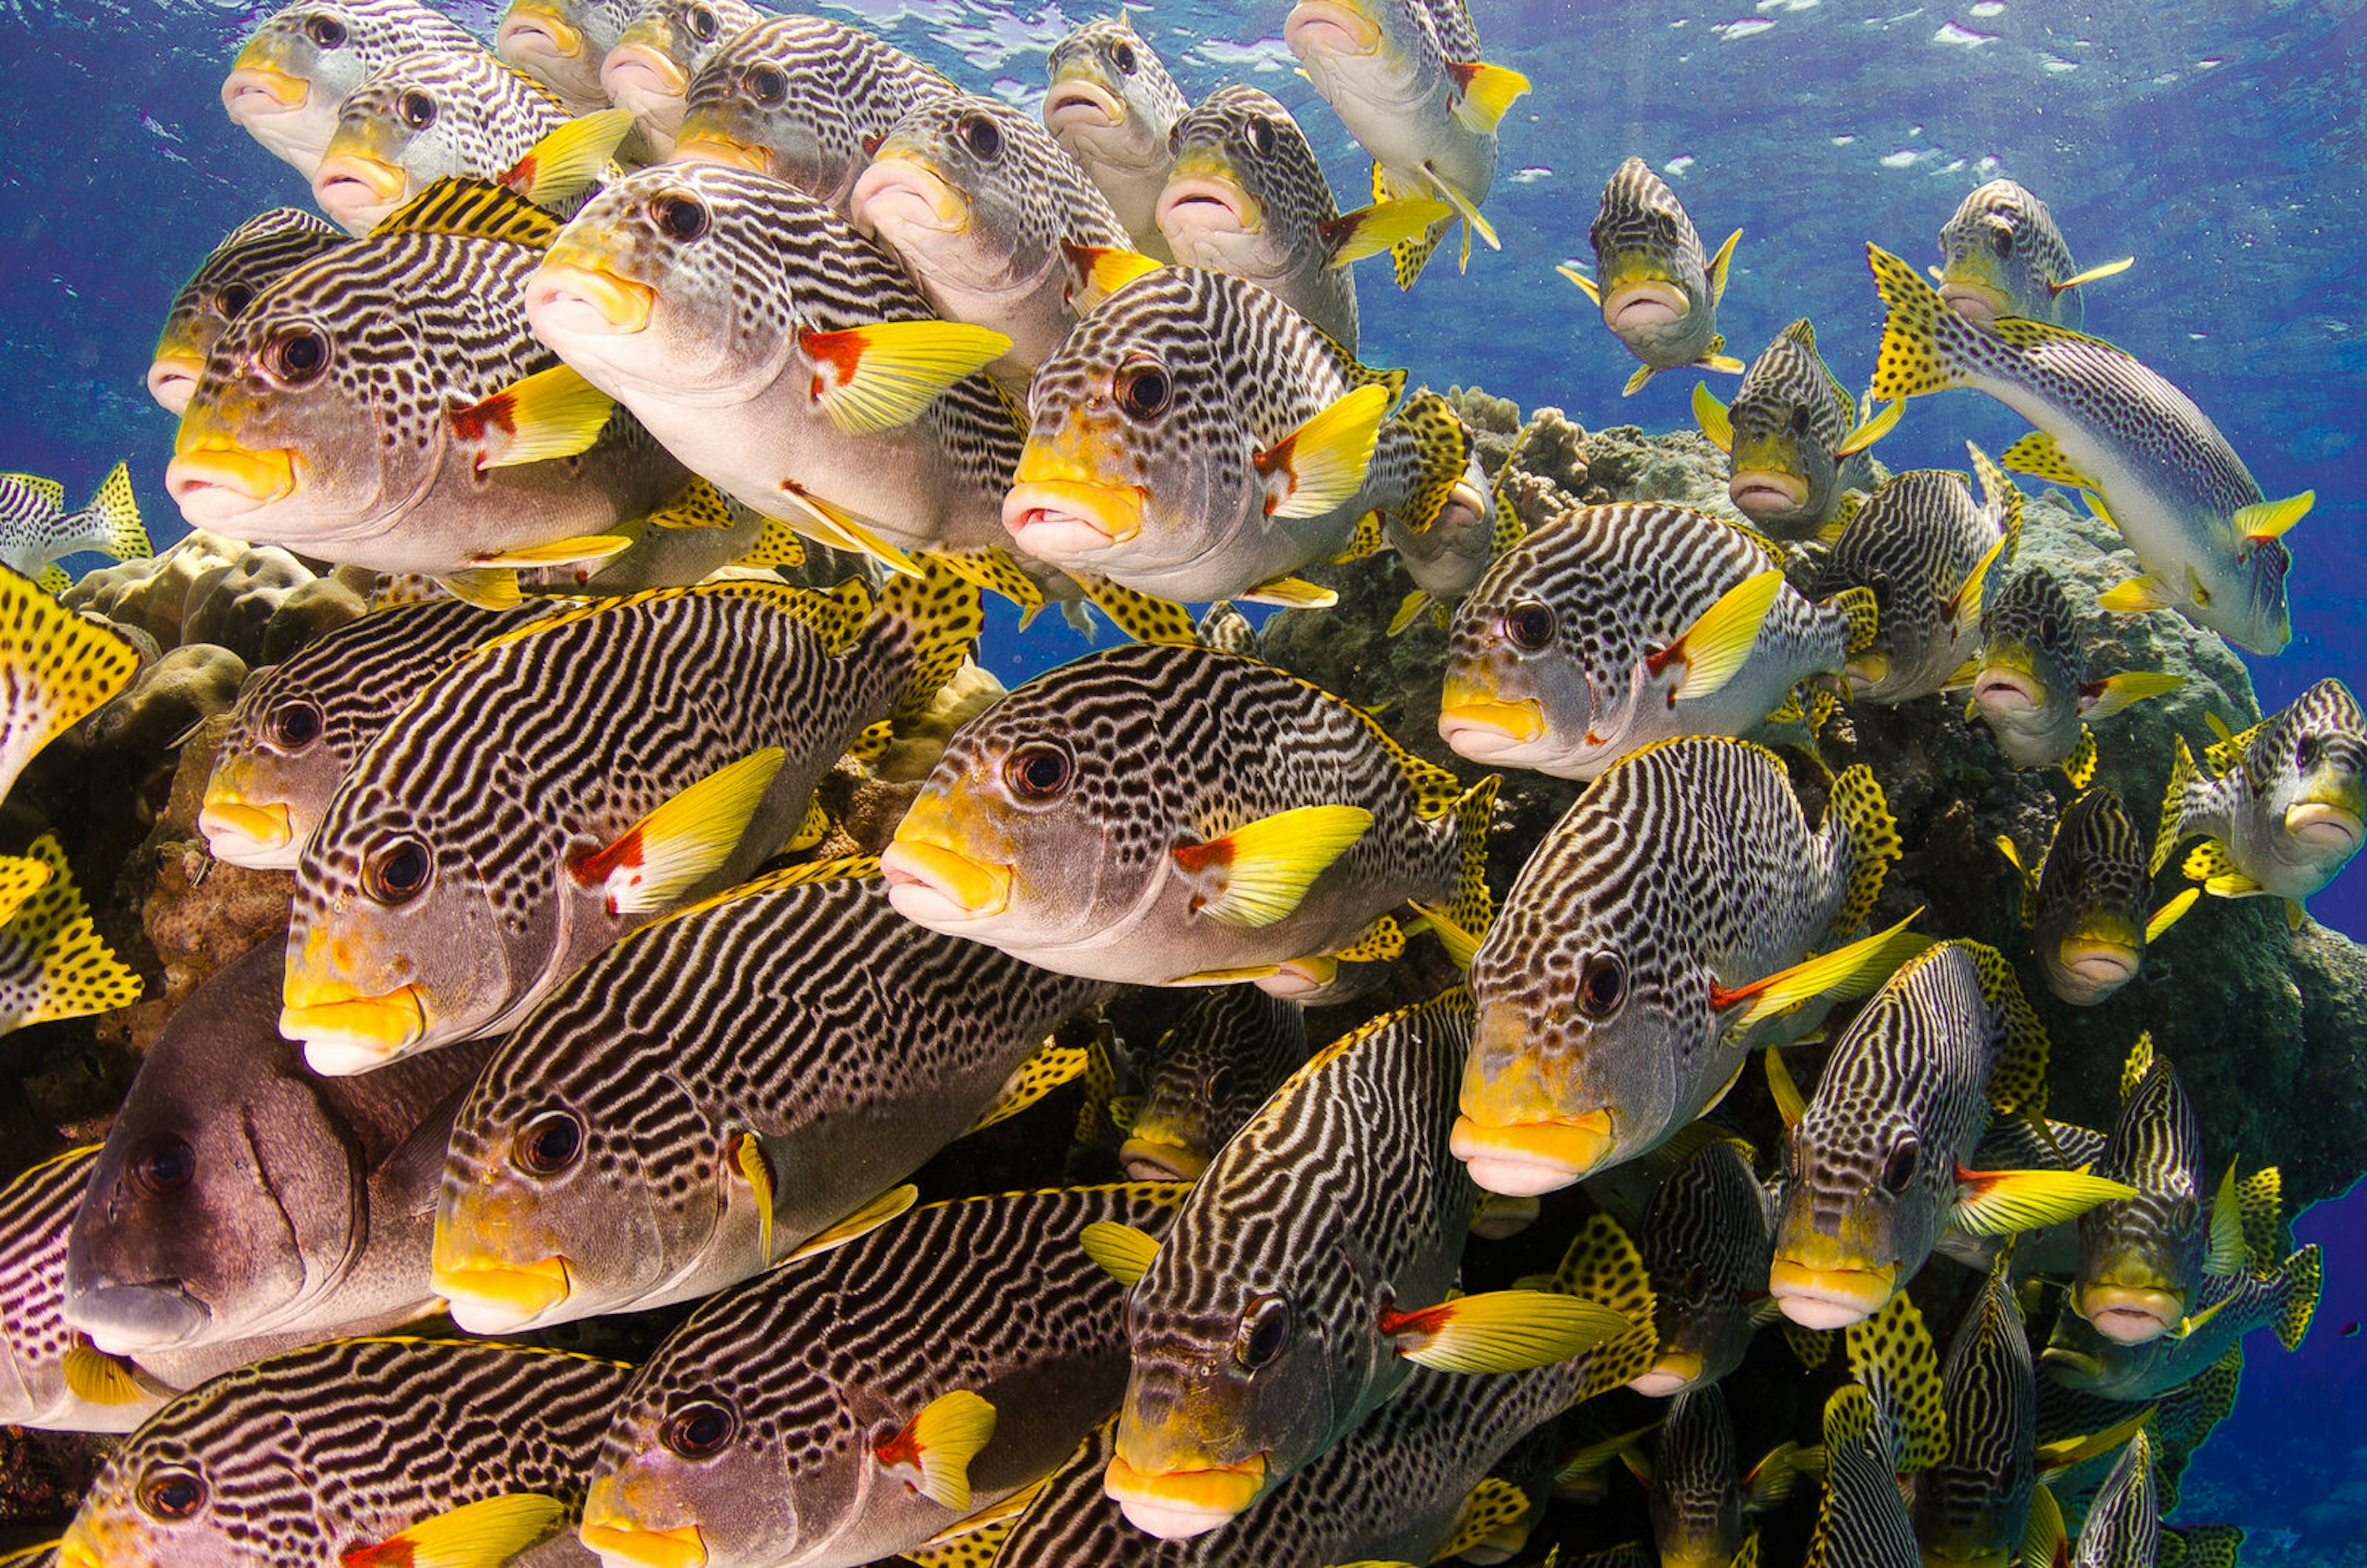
[567, 162]
[483, 1534]
[2227, 1253]
[1465, 209]
[879, 378]
[2094, 275]
[486, 588]
[1369, 230]
[1790, 1103]
[749, 1156]
[2171, 913]
[1963, 609]
[557, 552]
[1850, 971]
[939, 1443]
[2265, 520]
[552, 413]
[1296, 593]
[1711, 415]
[2109, 695]
[1717, 267]
[1263, 869]
[2135, 596]
[1873, 429]
[1462, 946]
[890, 1206]
[1999, 1202]
[1489, 91]
[1122, 1251]
[1585, 283]
[1105, 269]
[1325, 460]
[836, 526]
[1715, 648]
[1725, 364]
[1637, 380]
[1502, 1331]
[1409, 610]
[97, 1378]
[658, 858]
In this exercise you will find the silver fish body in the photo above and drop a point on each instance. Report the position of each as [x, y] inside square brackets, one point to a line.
[1971, 1507]
[36, 530]
[1705, 1245]
[2079, 1357]
[2089, 915]
[2142, 1259]
[1654, 282]
[1916, 543]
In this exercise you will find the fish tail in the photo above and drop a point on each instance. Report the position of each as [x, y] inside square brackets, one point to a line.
[1473, 909]
[927, 627]
[2303, 1276]
[1914, 358]
[2183, 776]
[1866, 839]
[50, 938]
[1436, 445]
[1891, 1354]
[114, 517]
[1602, 1265]
[1413, 253]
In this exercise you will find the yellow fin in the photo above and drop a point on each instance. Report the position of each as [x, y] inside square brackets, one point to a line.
[475, 209]
[2228, 1254]
[2080, 767]
[2065, 1452]
[2027, 876]
[557, 552]
[48, 490]
[61, 667]
[2017, 1080]
[812, 831]
[2265, 520]
[1376, 943]
[2183, 776]
[2208, 863]
[1810, 1349]
[1461, 945]
[939, 1443]
[97, 1378]
[1871, 430]
[1139, 615]
[1105, 269]
[1586, 285]
[1717, 267]
[549, 414]
[975, 1541]
[1294, 592]
[1912, 360]
[1260, 870]
[1124, 1252]
[656, 860]
[57, 964]
[1410, 609]
[1369, 230]
[748, 1154]
[1489, 91]
[483, 1534]
[1784, 1089]
[1465, 209]
[1999, 1202]
[485, 587]
[2305, 1275]
[1850, 971]
[1715, 422]
[2134, 597]
[571, 160]
[1495, 1503]
[1638, 381]
[776, 544]
[21, 876]
[1891, 1354]
[2261, 1196]
[2037, 455]
[834, 524]
[2169, 913]
[2134, 1066]
[889, 1206]
[1715, 647]
[117, 507]
[54, 579]
[2093, 274]
[1502, 1331]
[700, 505]
[1473, 907]
[1726, 362]
[1963, 609]
[875, 378]
[2045, 1541]
[1370, 536]
[1030, 1081]
[1324, 461]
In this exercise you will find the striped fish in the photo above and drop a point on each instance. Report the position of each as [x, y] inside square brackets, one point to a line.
[648, 73]
[2122, 1529]
[1862, 1521]
[2209, 543]
[36, 531]
[563, 44]
[51, 1377]
[1701, 1498]
[385, 406]
[1658, 289]
[299, 723]
[53, 962]
[801, 99]
[2001, 254]
[408, 1451]
[1197, 439]
[833, 1414]
[2224, 1310]
[2030, 680]
[1971, 1507]
[1128, 818]
[718, 1088]
[1652, 931]
[1207, 1076]
[490, 841]
[300, 62]
[1611, 628]
[1112, 104]
[2142, 1259]
[251, 258]
[1792, 438]
[62, 667]
[2283, 817]
[1705, 1246]
[2086, 902]
[984, 209]
[238, 1195]
[1308, 1272]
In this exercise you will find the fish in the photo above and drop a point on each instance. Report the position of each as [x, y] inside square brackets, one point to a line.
[1875, 1169]
[1927, 552]
[2282, 815]
[249, 259]
[1405, 79]
[36, 531]
[649, 71]
[1705, 1246]
[1196, 439]
[2284, 1296]
[1658, 290]
[239, 1196]
[820, 1416]
[2001, 254]
[1793, 437]
[1447, 556]
[1862, 1521]
[300, 62]
[1652, 932]
[563, 44]
[410, 1450]
[326, 422]
[1267, 1325]
[62, 666]
[801, 99]
[707, 1097]
[2210, 544]
[1112, 105]
[1207, 1076]
[983, 208]
[53, 962]
[2086, 901]
[1125, 818]
[1701, 1498]
[299, 724]
[2030, 678]
[1971, 1507]
[2122, 1529]
[1608, 628]
[471, 862]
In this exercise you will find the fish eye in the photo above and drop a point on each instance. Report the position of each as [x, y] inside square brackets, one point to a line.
[162, 1165]
[1264, 1330]
[678, 217]
[2002, 241]
[768, 84]
[550, 1143]
[326, 32]
[176, 1494]
[1530, 626]
[1219, 1085]
[1123, 58]
[700, 24]
[295, 724]
[1800, 419]
[397, 873]
[980, 135]
[1899, 1169]
[417, 110]
[2049, 628]
[231, 299]
[1143, 388]
[1262, 136]
[1602, 985]
[698, 1432]
[1039, 773]
[294, 355]
[2305, 752]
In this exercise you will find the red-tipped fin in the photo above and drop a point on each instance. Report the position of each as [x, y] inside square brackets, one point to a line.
[1319, 467]
[931, 1453]
[1487, 93]
[1502, 1331]
[1716, 646]
[1999, 1202]
[1369, 230]
[567, 162]
[879, 378]
[552, 413]
[1257, 874]
[660, 857]
[484, 1534]
[1850, 971]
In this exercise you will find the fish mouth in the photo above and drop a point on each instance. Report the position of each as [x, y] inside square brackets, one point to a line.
[1146, 1160]
[1828, 1298]
[622, 1544]
[257, 92]
[902, 192]
[173, 380]
[1763, 492]
[127, 1320]
[1528, 1159]
[574, 297]
[2105, 965]
[358, 189]
[2006, 691]
[639, 78]
[1079, 104]
[1974, 302]
[1633, 307]
[1326, 27]
[1675, 1371]
[493, 1297]
[216, 485]
[2323, 824]
[1058, 519]
[2130, 1315]
[1176, 1504]
[710, 147]
[246, 834]
[1200, 201]
[527, 33]
[349, 1034]
[1479, 726]
[936, 885]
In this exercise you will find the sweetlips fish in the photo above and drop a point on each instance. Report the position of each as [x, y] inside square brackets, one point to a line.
[1927, 552]
[53, 962]
[1861, 1520]
[251, 258]
[1608, 628]
[1406, 78]
[409, 1451]
[36, 531]
[1195, 438]
[1246, 196]
[1127, 817]
[2001, 254]
[1271, 1320]
[563, 44]
[385, 406]
[62, 667]
[821, 1416]
[2282, 815]
[1658, 289]
[1448, 556]
[2086, 902]
[2030, 678]
[1701, 1498]
[1971, 1507]
[1794, 440]
[2210, 543]
[1111, 104]
[648, 73]
[297, 65]
[1705, 1246]
[2283, 1295]
[2123, 1526]
[706, 1098]
[472, 859]
[801, 99]
[299, 724]
[984, 209]
[1873, 1169]
[1654, 929]
[1207, 1076]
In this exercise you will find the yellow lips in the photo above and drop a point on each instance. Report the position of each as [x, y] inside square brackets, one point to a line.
[221, 475]
[1522, 1159]
[2131, 1314]
[666, 77]
[1177, 1503]
[491, 1298]
[566, 42]
[1828, 1298]
[384, 181]
[1652, 298]
[622, 303]
[919, 193]
[618, 1541]
[975, 888]
[1178, 1163]
[1463, 705]
[709, 146]
[2324, 819]
[266, 825]
[1790, 489]
[1114, 511]
[253, 77]
[1675, 1370]
[343, 1031]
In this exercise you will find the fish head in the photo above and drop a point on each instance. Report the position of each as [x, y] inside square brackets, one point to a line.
[164, 1503]
[1855, 1201]
[2240, 594]
[418, 119]
[1650, 269]
[2141, 1259]
[295, 70]
[2078, 1356]
[277, 768]
[1520, 691]
[1781, 475]
[1110, 100]
[1695, 1501]
[1378, 54]
[1999, 254]
[649, 71]
[252, 257]
[2312, 759]
[2031, 666]
[1206, 1078]
[1704, 1244]
[758, 105]
[561, 43]
[2092, 960]
[965, 186]
[1244, 189]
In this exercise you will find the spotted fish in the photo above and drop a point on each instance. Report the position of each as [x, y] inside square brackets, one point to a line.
[1207, 1076]
[53, 962]
[36, 531]
[820, 1416]
[2210, 544]
[410, 1451]
[1705, 1246]
[251, 258]
[2282, 1296]
[646, 1138]
[1608, 628]
[1658, 289]
[2030, 680]
[1971, 1507]
[2001, 254]
[62, 667]
[1112, 105]
[297, 65]
[1793, 438]
[1651, 933]
[473, 859]
[649, 71]
[2283, 817]
[1127, 818]
[563, 44]
[2087, 901]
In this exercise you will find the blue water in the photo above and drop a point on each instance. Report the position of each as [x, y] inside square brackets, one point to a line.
[2220, 145]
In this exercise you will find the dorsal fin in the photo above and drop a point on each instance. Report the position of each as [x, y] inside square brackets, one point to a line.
[479, 209]
[1802, 332]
